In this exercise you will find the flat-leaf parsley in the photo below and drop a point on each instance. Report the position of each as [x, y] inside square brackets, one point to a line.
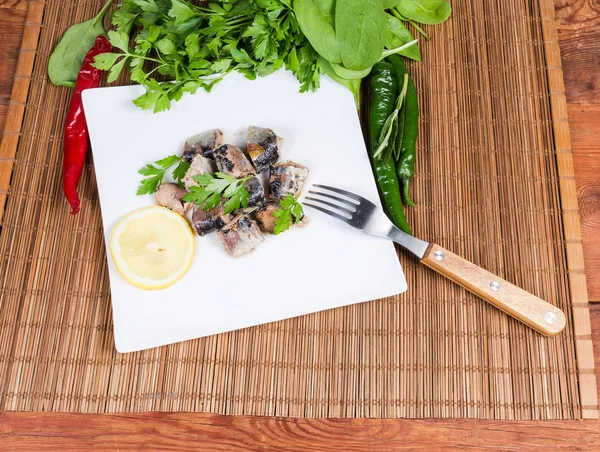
[154, 174]
[210, 189]
[290, 209]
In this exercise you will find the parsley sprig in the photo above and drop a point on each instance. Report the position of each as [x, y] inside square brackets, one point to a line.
[194, 47]
[289, 209]
[156, 172]
[210, 189]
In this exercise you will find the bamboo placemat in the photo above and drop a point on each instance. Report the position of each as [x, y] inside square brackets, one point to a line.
[494, 183]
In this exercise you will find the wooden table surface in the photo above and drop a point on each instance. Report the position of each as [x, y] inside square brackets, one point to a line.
[579, 32]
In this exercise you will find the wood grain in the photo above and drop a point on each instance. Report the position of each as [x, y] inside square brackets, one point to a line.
[18, 98]
[29, 431]
[579, 37]
[12, 22]
[588, 390]
[191, 432]
[585, 138]
[513, 300]
[20, 5]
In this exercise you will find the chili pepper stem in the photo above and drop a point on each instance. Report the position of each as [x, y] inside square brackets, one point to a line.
[405, 193]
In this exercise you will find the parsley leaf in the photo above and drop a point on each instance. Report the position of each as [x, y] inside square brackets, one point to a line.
[181, 12]
[124, 17]
[154, 173]
[289, 209]
[213, 201]
[210, 189]
[238, 198]
[179, 172]
[197, 195]
[147, 5]
[308, 72]
[192, 44]
[115, 71]
[284, 220]
[221, 183]
[147, 101]
[166, 46]
[168, 161]
[162, 103]
[119, 39]
[105, 61]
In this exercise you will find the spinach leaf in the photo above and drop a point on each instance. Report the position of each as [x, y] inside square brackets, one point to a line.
[352, 85]
[65, 62]
[398, 35]
[425, 11]
[360, 28]
[316, 20]
[348, 74]
[389, 4]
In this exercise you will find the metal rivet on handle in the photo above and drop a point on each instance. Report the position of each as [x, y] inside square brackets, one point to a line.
[495, 286]
[439, 255]
[550, 317]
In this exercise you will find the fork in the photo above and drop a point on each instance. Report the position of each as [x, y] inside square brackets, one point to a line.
[362, 214]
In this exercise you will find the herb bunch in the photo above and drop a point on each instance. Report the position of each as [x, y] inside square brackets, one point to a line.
[195, 47]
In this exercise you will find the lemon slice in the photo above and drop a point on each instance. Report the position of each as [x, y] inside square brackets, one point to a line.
[152, 247]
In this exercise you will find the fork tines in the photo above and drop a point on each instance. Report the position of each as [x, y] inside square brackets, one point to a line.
[343, 208]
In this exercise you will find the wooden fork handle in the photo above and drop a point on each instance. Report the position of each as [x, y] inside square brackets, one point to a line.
[523, 306]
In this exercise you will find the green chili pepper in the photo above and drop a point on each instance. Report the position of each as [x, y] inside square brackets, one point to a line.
[407, 145]
[384, 89]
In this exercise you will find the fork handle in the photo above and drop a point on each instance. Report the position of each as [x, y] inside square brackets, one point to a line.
[523, 306]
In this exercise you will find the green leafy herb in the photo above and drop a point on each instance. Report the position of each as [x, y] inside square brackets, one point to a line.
[399, 16]
[210, 189]
[195, 47]
[289, 209]
[348, 74]
[388, 4]
[65, 61]
[189, 47]
[425, 11]
[352, 84]
[398, 35]
[316, 19]
[180, 171]
[360, 27]
[154, 173]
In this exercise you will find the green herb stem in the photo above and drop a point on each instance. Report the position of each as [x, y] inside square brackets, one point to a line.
[397, 14]
[102, 12]
[389, 124]
[387, 53]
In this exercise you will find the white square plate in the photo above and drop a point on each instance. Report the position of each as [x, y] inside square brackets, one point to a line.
[322, 266]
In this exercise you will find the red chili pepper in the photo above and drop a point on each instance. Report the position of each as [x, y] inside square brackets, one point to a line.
[76, 133]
